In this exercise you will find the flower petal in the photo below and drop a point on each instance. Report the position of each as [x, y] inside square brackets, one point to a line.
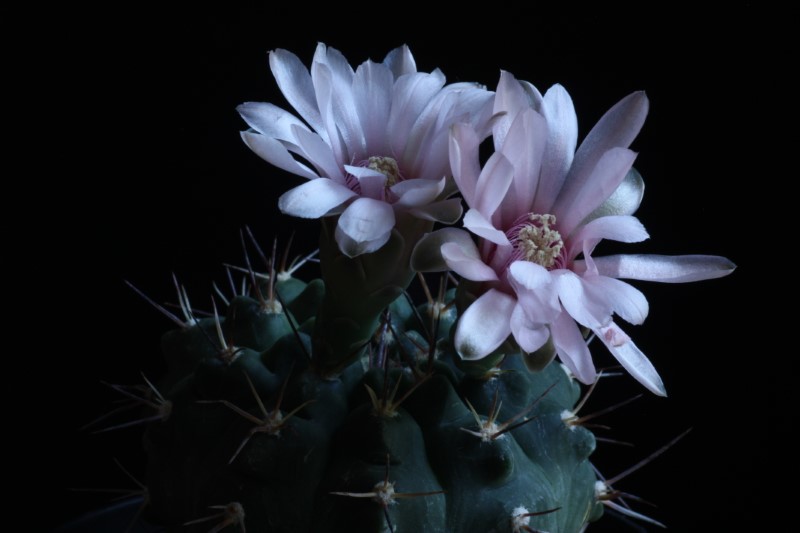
[616, 129]
[372, 92]
[417, 192]
[509, 100]
[529, 335]
[400, 61]
[427, 254]
[270, 120]
[477, 224]
[535, 291]
[575, 204]
[314, 199]
[615, 228]
[295, 83]
[562, 124]
[586, 307]
[625, 300]
[484, 325]
[371, 181]
[366, 224]
[493, 184]
[466, 262]
[276, 153]
[319, 153]
[572, 349]
[623, 201]
[464, 161]
[631, 357]
[523, 147]
[663, 268]
[410, 96]
[445, 211]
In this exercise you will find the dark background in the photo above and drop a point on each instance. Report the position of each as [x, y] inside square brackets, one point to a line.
[158, 181]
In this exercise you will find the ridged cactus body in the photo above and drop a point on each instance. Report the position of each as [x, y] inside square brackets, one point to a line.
[371, 449]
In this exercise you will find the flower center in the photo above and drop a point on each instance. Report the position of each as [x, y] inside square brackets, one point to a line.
[536, 240]
[386, 166]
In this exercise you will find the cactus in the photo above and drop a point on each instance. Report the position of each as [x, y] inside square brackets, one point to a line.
[338, 404]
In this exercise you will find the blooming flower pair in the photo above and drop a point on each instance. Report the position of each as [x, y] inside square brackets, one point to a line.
[379, 145]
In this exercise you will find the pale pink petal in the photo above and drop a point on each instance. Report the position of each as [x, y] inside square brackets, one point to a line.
[493, 183]
[427, 254]
[364, 226]
[295, 83]
[314, 199]
[623, 201]
[371, 181]
[616, 129]
[614, 228]
[663, 268]
[572, 349]
[466, 262]
[580, 302]
[318, 152]
[510, 98]
[484, 325]
[417, 192]
[480, 226]
[529, 335]
[372, 92]
[445, 211]
[562, 124]
[573, 205]
[626, 301]
[276, 153]
[535, 290]
[400, 61]
[523, 147]
[631, 357]
[410, 96]
[464, 161]
[270, 120]
[328, 130]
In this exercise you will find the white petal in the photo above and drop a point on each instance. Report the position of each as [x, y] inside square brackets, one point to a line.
[509, 100]
[523, 147]
[484, 325]
[663, 268]
[464, 161]
[582, 304]
[410, 96]
[270, 120]
[623, 201]
[372, 92]
[615, 228]
[295, 83]
[466, 262]
[477, 224]
[562, 124]
[445, 211]
[400, 61]
[371, 181]
[314, 199]
[574, 204]
[625, 300]
[572, 349]
[617, 128]
[493, 184]
[417, 192]
[319, 153]
[535, 290]
[631, 357]
[365, 222]
[328, 130]
[427, 254]
[274, 152]
[529, 335]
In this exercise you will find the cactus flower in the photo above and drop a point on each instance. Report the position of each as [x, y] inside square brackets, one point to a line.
[539, 209]
[374, 144]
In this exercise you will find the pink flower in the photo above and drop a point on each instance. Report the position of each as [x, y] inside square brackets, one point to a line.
[539, 209]
[373, 144]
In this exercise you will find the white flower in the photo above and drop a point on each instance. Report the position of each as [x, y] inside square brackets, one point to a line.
[374, 144]
[539, 209]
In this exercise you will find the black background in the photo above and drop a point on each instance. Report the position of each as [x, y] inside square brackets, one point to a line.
[156, 181]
